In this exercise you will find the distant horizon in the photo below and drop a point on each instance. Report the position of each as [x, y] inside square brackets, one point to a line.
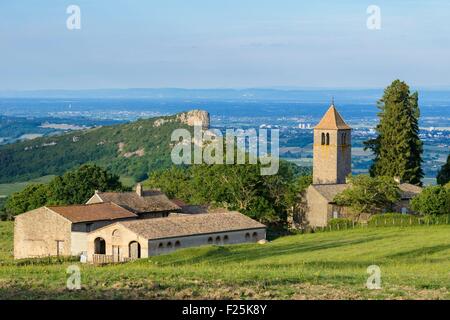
[232, 88]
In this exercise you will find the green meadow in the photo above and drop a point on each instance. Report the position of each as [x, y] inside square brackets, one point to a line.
[414, 263]
[6, 189]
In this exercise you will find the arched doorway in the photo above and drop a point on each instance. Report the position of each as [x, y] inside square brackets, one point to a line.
[135, 250]
[100, 246]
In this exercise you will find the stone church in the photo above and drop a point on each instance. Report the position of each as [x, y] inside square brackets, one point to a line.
[332, 160]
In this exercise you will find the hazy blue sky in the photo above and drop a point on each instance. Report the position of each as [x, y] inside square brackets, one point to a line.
[223, 43]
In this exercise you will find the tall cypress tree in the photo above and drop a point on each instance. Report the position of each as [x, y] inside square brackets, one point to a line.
[398, 148]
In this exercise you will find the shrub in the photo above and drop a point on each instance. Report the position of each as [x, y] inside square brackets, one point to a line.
[434, 200]
[340, 223]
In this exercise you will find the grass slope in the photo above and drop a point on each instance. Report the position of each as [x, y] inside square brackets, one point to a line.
[6, 189]
[414, 261]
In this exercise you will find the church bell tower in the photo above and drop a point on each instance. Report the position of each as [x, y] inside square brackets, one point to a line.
[332, 149]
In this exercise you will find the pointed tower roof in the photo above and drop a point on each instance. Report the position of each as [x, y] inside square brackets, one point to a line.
[332, 120]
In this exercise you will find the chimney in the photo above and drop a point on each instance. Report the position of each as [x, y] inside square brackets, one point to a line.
[139, 190]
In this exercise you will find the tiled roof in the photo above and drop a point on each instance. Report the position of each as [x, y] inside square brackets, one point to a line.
[92, 212]
[329, 191]
[151, 201]
[186, 225]
[332, 120]
[408, 191]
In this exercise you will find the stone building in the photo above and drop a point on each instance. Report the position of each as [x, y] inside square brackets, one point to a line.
[62, 230]
[150, 224]
[331, 166]
[148, 237]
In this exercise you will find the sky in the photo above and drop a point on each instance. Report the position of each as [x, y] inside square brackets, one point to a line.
[223, 44]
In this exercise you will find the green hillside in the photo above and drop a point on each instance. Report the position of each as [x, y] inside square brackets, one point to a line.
[414, 262]
[130, 150]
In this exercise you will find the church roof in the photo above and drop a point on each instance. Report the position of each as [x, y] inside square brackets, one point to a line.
[332, 120]
[329, 191]
[409, 191]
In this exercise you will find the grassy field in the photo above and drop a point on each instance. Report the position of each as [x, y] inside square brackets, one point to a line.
[414, 262]
[7, 189]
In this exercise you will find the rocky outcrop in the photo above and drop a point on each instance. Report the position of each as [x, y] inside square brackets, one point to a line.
[194, 117]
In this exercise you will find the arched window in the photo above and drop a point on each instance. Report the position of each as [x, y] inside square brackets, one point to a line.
[225, 239]
[247, 236]
[177, 244]
[134, 249]
[210, 240]
[323, 138]
[217, 239]
[169, 244]
[99, 246]
[328, 139]
[255, 235]
[160, 245]
[344, 138]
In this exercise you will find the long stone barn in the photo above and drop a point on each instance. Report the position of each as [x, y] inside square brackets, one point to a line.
[148, 237]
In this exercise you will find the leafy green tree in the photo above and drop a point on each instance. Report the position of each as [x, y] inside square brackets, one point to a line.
[433, 200]
[32, 197]
[295, 200]
[236, 187]
[443, 176]
[77, 186]
[369, 195]
[398, 148]
[74, 187]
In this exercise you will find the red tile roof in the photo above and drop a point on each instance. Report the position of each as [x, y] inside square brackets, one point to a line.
[92, 212]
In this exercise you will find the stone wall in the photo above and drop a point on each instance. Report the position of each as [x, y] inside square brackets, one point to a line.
[39, 233]
[118, 236]
[317, 211]
[162, 246]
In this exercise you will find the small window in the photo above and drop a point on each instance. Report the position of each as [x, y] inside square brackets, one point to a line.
[328, 139]
[225, 239]
[323, 138]
[169, 244]
[177, 244]
[210, 240]
[160, 245]
[247, 236]
[255, 235]
[217, 239]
